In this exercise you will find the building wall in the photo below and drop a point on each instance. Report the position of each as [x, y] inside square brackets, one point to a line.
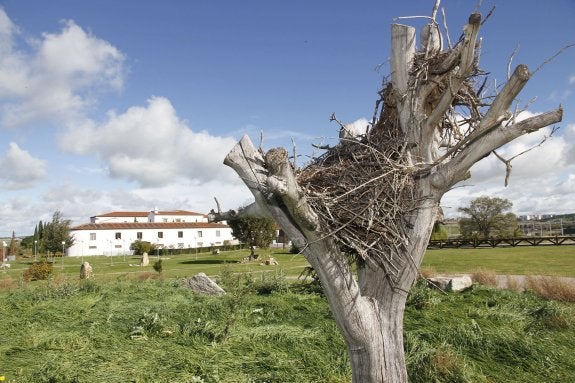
[117, 241]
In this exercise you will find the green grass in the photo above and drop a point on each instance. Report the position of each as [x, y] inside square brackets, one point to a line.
[535, 260]
[67, 330]
[180, 265]
[130, 324]
[159, 331]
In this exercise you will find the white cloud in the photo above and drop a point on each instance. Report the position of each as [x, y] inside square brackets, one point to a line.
[19, 170]
[56, 78]
[151, 146]
[572, 79]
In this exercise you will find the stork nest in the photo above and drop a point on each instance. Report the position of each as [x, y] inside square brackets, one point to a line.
[361, 192]
[363, 189]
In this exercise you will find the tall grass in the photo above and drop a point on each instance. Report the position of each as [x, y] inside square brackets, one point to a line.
[159, 331]
[551, 288]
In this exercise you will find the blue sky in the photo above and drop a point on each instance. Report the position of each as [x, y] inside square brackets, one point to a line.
[130, 105]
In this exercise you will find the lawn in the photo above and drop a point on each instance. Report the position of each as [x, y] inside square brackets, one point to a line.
[132, 324]
[527, 260]
[534, 260]
[155, 330]
[173, 266]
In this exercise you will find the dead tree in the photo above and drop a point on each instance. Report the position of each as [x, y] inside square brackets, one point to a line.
[375, 198]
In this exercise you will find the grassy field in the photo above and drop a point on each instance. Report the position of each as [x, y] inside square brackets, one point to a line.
[131, 324]
[536, 260]
[173, 266]
[156, 330]
[528, 260]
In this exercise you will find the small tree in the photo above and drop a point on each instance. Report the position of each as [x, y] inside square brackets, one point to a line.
[141, 247]
[256, 231]
[56, 232]
[439, 232]
[14, 246]
[487, 217]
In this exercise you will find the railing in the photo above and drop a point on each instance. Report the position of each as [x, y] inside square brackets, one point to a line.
[501, 242]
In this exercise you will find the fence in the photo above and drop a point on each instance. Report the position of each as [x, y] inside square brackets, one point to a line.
[501, 242]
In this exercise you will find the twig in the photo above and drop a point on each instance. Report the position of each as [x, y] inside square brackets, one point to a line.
[446, 29]
[488, 15]
[552, 57]
[507, 163]
[260, 148]
[510, 61]
[294, 153]
[334, 118]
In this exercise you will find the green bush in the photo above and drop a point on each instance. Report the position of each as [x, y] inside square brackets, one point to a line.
[439, 232]
[275, 282]
[158, 266]
[38, 271]
[141, 247]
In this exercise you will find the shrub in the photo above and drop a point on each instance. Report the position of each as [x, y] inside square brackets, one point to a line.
[427, 272]
[158, 266]
[141, 247]
[271, 283]
[421, 296]
[38, 271]
[439, 232]
[551, 288]
[484, 277]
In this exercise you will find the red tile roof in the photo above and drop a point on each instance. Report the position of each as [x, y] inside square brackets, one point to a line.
[149, 225]
[145, 213]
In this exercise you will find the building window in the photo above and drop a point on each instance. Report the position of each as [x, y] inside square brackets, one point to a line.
[180, 234]
[139, 235]
[180, 245]
[118, 235]
[217, 233]
[160, 234]
[199, 234]
[92, 236]
[164, 220]
[92, 247]
[118, 246]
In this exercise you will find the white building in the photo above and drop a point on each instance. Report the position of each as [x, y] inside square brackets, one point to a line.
[113, 233]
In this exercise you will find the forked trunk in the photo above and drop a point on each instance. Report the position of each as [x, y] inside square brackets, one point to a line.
[375, 197]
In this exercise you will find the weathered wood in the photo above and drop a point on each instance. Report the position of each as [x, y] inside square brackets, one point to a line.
[402, 53]
[501, 104]
[368, 306]
[458, 77]
[448, 174]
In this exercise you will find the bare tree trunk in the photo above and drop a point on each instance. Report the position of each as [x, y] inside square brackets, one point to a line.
[375, 199]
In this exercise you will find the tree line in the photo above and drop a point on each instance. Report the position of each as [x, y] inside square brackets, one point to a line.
[49, 236]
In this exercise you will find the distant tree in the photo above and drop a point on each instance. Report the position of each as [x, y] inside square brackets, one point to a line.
[56, 232]
[439, 232]
[14, 246]
[39, 235]
[27, 242]
[487, 217]
[255, 231]
[141, 247]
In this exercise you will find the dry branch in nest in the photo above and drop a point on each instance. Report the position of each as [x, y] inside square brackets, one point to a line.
[359, 189]
[363, 189]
